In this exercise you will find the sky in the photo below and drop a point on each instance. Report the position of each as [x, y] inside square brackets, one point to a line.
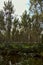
[19, 5]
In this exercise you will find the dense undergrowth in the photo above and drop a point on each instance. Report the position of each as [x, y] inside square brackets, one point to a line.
[24, 54]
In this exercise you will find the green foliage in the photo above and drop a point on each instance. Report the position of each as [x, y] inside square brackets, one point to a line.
[26, 30]
[20, 41]
[25, 52]
[2, 24]
[8, 10]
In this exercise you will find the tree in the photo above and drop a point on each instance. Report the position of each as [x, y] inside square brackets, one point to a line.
[26, 24]
[8, 10]
[15, 31]
[36, 6]
[2, 26]
[2, 23]
[36, 28]
[36, 9]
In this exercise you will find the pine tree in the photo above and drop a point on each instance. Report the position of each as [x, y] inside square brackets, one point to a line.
[2, 23]
[8, 10]
[2, 26]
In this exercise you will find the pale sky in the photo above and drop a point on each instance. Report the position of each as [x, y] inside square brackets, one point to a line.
[19, 5]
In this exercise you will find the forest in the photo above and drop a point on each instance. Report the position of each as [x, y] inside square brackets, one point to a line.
[21, 41]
